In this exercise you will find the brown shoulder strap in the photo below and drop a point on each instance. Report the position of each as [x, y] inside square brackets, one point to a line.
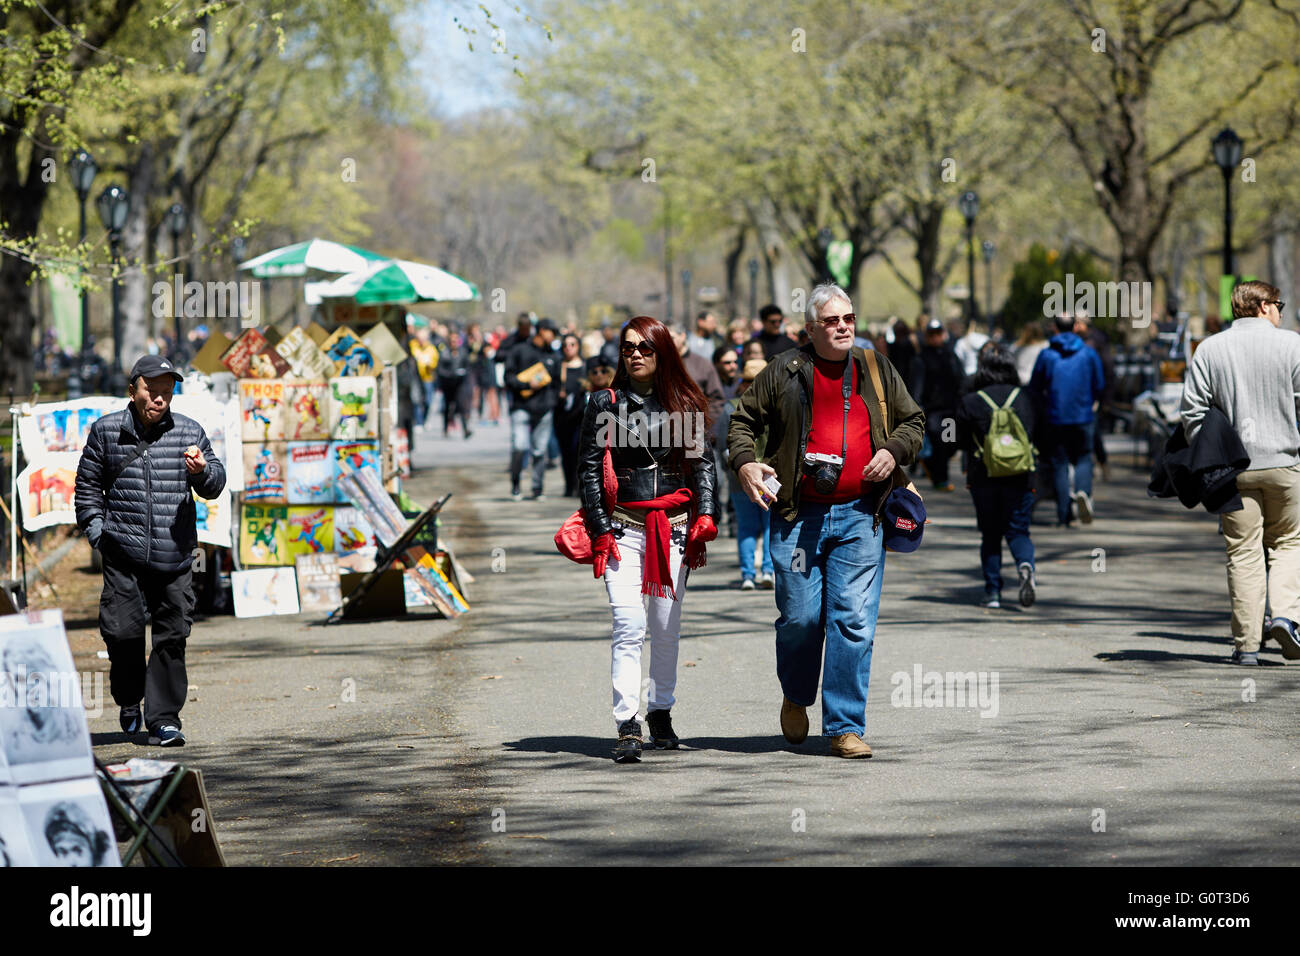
[873, 367]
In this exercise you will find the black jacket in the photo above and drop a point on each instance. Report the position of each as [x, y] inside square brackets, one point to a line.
[524, 355]
[642, 459]
[1204, 472]
[974, 418]
[937, 376]
[148, 516]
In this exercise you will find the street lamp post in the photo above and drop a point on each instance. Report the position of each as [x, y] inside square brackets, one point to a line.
[238, 252]
[113, 204]
[969, 204]
[1227, 154]
[84, 170]
[753, 288]
[988, 249]
[823, 245]
[177, 219]
[686, 300]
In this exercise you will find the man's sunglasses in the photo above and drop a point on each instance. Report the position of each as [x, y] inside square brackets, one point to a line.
[830, 321]
[645, 348]
[1277, 302]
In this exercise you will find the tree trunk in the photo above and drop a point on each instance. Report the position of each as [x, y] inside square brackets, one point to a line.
[732, 261]
[137, 278]
[1281, 263]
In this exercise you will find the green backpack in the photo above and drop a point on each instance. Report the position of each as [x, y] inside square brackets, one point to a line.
[1007, 449]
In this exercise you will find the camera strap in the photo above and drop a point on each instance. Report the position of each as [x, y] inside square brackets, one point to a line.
[847, 389]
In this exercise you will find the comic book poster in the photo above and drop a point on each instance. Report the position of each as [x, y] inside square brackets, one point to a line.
[62, 426]
[304, 356]
[264, 591]
[310, 530]
[306, 410]
[265, 473]
[268, 363]
[352, 532]
[311, 473]
[353, 408]
[318, 582]
[348, 353]
[47, 489]
[354, 454]
[263, 535]
[213, 519]
[262, 404]
[239, 357]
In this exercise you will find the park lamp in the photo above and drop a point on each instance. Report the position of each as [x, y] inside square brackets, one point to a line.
[177, 219]
[84, 170]
[113, 205]
[969, 204]
[1227, 150]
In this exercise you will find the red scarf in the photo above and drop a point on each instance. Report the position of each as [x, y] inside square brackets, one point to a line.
[656, 573]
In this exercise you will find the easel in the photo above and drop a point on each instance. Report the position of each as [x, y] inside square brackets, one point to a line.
[386, 556]
[140, 823]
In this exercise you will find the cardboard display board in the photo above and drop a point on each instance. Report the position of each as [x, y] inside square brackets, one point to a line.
[310, 473]
[353, 408]
[262, 405]
[68, 824]
[318, 582]
[304, 356]
[47, 491]
[309, 531]
[239, 357]
[264, 535]
[265, 473]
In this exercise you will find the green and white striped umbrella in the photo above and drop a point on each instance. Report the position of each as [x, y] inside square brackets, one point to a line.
[314, 255]
[396, 281]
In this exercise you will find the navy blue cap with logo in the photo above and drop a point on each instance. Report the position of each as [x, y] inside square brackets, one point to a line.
[903, 521]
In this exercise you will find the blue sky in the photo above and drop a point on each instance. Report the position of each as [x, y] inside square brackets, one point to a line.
[460, 81]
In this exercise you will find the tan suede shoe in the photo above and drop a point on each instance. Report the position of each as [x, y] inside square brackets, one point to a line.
[794, 721]
[849, 745]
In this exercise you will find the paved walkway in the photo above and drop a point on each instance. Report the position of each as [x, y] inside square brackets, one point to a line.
[1119, 734]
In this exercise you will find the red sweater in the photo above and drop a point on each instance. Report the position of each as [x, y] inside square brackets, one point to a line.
[828, 428]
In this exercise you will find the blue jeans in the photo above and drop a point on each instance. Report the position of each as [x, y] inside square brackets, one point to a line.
[529, 436]
[1003, 507]
[751, 521]
[1070, 445]
[829, 567]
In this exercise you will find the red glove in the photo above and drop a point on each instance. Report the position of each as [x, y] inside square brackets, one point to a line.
[602, 549]
[703, 530]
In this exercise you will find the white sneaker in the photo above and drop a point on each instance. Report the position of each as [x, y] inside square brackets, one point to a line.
[766, 581]
[1083, 504]
[747, 584]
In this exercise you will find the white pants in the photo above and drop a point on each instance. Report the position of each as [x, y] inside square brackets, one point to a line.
[623, 584]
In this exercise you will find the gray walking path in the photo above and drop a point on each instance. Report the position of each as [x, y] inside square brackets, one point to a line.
[1119, 733]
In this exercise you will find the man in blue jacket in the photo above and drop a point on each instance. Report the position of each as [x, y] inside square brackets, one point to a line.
[134, 503]
[1068, 378]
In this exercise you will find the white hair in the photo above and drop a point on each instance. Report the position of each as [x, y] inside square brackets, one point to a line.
[826, 292]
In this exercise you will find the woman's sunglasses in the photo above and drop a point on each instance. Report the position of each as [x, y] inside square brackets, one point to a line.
[645, 348]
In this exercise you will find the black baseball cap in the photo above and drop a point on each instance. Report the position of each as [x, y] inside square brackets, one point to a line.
[596, 362]
[934, 325]
[151, 366]
[548, 325]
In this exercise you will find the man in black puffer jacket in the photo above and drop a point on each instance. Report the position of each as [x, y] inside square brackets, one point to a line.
[134, 504]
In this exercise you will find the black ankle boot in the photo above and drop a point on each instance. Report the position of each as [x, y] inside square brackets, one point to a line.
[661, 730]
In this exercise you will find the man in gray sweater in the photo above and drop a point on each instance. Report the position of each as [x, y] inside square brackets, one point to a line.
[1251, 372]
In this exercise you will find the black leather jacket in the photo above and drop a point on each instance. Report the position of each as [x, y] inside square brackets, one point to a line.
[641, 457]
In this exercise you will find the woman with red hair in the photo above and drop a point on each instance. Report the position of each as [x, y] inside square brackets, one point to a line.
[656, 428]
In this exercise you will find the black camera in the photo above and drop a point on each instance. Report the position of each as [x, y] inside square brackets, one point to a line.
[824, 471]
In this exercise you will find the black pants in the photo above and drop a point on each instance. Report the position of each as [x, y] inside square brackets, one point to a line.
[129, 593]
[941, 451]
[455, 402]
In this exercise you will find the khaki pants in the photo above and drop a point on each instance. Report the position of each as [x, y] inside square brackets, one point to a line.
[1270, 518]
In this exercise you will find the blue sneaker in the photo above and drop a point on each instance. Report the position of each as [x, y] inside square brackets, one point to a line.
[168, 735]
[131, 720]
[1284, 632]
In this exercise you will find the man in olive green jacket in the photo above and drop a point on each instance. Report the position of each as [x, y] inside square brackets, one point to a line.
[837, 448]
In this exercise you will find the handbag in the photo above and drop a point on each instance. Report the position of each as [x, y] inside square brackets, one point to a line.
[573, 540]
[903, 498]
